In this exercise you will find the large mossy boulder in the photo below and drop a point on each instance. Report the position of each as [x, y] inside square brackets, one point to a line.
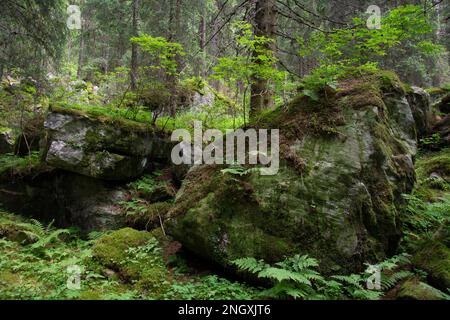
[346, 160]
[100, 146]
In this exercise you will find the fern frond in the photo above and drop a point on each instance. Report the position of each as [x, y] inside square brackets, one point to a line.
[38, 227]
[249, 264]
[388, 282]
[49, 238]
[283, 275]
[353, 279]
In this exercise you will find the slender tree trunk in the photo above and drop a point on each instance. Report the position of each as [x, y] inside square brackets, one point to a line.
[265, 25]
[81, 52]
[134, 46]
[174, 36]
[202, 44]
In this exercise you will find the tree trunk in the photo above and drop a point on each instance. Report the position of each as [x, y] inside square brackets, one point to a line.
[202, 44]
[134, 46]
[81, 52]
[265, 25]
[174, 36]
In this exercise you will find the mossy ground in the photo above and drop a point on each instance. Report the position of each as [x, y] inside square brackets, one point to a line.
[122, 265]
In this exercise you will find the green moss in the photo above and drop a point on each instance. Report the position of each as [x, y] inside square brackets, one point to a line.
[413, 289]
[5, 130]
[434, 163]
[431, 189]
[437, 91]
[110, 250]
[103, 115]
[91, 296]
[136, 256]
[434, 258]
[389, 81]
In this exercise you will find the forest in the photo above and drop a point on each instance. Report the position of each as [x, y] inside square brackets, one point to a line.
[225, 150]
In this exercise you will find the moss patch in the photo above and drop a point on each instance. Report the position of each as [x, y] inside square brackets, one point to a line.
[102, 115]
[413, 289]
[435, 163]
[136, 256]
[434, 258]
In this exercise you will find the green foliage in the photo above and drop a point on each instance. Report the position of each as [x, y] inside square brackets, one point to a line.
[146, 184]
[297, 277]
[433, 140]
[293, 277]
[209, 288]
[10, 163]
[42, 236]
[161, 50]
[422, 218]
[255, 60]
[358, 50]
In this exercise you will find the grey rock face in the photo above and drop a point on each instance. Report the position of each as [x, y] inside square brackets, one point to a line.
[101, 149]
[67, 198]
[419, 100]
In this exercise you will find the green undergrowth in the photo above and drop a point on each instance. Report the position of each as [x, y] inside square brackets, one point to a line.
[11, 164]
[37, 262]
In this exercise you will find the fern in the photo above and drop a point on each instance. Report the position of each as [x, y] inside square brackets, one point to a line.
[294, 277]
[388, 282]
[284, 275]
[250, 265]
[49, 238]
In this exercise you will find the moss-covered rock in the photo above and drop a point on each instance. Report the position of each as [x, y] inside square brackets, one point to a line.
[136, 256]
[434, 258]
[346, 161]
[101, 146]
[414, 289]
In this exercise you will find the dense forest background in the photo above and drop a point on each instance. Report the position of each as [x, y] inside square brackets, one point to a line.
[189, 39]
